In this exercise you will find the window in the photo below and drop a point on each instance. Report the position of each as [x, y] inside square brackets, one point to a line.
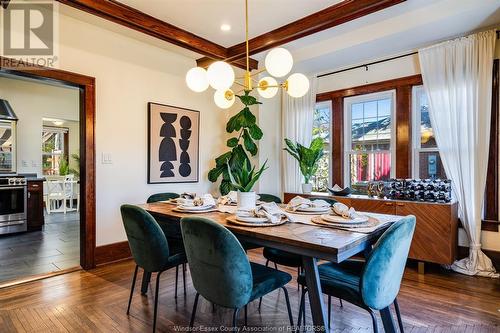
[369, 139]
[321, 128]
[426, 160]
[53, 149]
[7, 137]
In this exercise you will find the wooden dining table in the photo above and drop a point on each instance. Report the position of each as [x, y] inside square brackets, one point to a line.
[312, 242]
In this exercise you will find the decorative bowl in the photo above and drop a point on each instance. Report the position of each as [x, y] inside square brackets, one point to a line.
[342, 193]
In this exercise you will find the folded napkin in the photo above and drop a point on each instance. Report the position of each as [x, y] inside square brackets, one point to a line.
[337, 188]
[301, 203]
[205, 200]
[344, 211]
[230, 198]
[271, 211]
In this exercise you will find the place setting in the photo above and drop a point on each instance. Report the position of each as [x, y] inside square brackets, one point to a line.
[203, 204]
[265, 215]
[300, 205]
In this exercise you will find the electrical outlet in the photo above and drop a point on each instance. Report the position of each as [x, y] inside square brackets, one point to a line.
[24, 163]
[106, 158]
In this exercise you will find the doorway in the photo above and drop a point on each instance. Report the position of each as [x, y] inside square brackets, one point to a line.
[85, 88]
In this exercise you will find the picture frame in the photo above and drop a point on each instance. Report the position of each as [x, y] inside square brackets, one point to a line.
[173, 144]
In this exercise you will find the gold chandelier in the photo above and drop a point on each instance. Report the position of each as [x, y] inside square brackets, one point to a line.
[220, 76]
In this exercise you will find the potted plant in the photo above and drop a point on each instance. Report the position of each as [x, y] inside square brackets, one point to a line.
[308, 159]
[243, 180]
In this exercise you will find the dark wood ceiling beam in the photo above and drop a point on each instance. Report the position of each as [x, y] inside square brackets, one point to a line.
[5, 3]
[241, 63]
[332, 16]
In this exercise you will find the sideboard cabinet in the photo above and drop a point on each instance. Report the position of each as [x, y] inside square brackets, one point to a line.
[436, 232]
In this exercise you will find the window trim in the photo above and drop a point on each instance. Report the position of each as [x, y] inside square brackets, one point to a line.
[347, 150]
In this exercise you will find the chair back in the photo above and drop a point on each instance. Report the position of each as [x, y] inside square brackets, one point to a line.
[55, 186]
[219, 267]
[147, 241]
[330, 201]
[162, 197]
[269, 198]
[385, 265]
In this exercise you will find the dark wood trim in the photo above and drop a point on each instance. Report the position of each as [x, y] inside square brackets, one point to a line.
[463, 252]
[403, 132]
[106, 254]
[241, 63]
[403, 87]
[490, 225]
[329, 17]
[413, 80]
[86, 84]
[337, 161]
[5, 3]
[132, 18]
[491, 194]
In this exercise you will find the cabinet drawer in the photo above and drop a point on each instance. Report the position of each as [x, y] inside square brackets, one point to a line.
[374, 206]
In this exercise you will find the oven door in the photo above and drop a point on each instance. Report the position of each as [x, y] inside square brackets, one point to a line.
[12, 204]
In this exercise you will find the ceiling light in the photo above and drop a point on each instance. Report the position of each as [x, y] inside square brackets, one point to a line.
[225, 27]
[224, 98]
[220, 75]
[279, 62]
[297, 85]
[268, 87]
[196, 79]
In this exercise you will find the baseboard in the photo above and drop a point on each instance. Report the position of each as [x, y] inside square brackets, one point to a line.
[106, 254]
[493, 255]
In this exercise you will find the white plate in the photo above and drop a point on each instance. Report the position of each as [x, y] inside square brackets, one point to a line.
[313, 209]
[319, 220]
[234, 220]
[251, 219]
[342, 220]
[195, 208]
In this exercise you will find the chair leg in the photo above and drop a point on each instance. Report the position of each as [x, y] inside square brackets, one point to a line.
[298, 273]
[235, 318]
[387, 320]
[329, 311]
[176, 279]
[260, 303]
[341, 304]
[374, 320]
[193, 314]
[132, 288]
[246, 315]
[156, 300]
[146, 277]
[275, 266]
[302, 308]
[184, 277]
[287, 299]
[398, 315]
[267, 262]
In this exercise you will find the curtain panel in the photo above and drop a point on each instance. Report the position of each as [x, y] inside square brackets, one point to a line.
[457, 77]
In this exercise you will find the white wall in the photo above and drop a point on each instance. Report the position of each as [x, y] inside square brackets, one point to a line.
[129, 73]
[32, 101]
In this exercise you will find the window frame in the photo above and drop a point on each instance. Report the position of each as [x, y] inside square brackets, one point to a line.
[347, 129]
[64, 152]
[328, 153]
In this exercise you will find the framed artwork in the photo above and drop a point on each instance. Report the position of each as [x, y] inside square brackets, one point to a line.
[173, 144]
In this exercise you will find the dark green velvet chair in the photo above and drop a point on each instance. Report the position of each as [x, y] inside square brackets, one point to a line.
[220, 269]
[373, 285]
[269, 198]
[149, 248]
[172, 231]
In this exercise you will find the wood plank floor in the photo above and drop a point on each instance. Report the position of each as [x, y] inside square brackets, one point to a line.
[95, 301]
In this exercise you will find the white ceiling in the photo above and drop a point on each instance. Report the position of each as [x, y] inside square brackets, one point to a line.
[204, 17]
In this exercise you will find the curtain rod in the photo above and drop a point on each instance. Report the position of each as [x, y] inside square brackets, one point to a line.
[368, 64]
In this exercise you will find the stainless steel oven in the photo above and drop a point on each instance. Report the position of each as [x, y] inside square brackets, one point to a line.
[13, 204]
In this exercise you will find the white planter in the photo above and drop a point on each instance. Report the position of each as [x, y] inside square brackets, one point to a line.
[307, 188]
[247, 200]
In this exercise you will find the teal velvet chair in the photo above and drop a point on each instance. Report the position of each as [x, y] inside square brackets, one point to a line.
[149, 248]
[172, 231]
[221, 271]
[373, 285]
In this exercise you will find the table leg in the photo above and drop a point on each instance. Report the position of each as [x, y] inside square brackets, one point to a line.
[386, 315]
[315, 293]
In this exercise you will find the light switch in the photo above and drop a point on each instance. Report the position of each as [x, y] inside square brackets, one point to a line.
[106, 158]
[24, 163]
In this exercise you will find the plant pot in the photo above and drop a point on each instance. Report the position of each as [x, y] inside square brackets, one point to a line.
[307, 188]
[247, 200]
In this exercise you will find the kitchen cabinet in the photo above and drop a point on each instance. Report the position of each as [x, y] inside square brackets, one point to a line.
[35, 216]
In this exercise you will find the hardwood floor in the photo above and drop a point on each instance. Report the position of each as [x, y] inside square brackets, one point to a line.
[56, 247]
[95, 301]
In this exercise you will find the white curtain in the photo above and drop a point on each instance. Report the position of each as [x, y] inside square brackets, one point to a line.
[296, 125]
[457, 77]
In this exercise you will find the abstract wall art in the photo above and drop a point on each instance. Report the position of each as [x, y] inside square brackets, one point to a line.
[173, 144]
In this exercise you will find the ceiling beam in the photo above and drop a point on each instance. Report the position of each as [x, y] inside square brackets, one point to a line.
[332, 16]
[241, 63]
[132, 18]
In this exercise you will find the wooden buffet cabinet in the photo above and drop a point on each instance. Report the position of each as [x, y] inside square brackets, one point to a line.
[436, 233]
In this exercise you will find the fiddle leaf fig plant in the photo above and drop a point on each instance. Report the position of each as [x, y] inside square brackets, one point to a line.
[308, 158]
[247, 132]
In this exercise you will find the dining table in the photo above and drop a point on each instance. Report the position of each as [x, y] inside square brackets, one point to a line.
[312, 242]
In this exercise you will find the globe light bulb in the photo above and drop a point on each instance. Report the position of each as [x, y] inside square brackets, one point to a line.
[297, 85]
[196, 79]
[279, 62]
[220, 75]
[224, 98]
[267, 87]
